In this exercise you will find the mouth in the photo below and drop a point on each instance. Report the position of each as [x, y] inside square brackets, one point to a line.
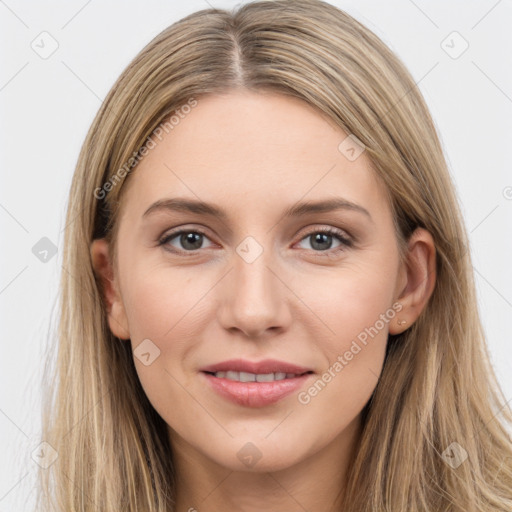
[255, 384]
[255, 377]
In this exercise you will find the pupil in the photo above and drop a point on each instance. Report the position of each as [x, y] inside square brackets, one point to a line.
[193, 238]
[320, 238]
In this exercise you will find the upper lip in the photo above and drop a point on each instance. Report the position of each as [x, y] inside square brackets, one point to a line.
[259, 367]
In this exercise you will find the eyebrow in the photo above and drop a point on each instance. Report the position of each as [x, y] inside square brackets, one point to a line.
[297, 210]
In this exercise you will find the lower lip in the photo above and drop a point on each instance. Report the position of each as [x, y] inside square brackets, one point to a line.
[255, 394]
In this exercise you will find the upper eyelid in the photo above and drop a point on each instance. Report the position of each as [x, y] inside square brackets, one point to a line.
[342, 234]
[171, 234]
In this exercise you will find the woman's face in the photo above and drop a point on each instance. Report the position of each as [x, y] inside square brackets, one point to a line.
[251, 277]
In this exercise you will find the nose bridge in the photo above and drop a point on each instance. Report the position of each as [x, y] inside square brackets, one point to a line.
[254, 301]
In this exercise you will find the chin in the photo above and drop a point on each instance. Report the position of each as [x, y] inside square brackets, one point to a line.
[259, 456]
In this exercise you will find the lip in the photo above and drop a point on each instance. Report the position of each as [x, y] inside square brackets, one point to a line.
[265, 366]
[255, 394]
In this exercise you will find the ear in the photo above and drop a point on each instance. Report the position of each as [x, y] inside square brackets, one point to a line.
[416, 281]
[103, 269]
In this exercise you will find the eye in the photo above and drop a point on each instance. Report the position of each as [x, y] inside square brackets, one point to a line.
[321, 240]
[190, 240]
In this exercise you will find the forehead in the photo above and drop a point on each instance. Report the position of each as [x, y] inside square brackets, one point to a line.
[252, 151]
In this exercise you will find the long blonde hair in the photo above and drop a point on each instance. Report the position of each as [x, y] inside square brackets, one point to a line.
[437, 386]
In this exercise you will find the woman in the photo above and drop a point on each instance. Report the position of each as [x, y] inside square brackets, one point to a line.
[317, 346]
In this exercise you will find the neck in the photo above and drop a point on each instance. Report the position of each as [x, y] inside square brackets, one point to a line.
[316, 483]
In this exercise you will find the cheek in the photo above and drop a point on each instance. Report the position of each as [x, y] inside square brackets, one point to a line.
[350, 299]
[355, 307]
[338, 310]
[168, 307]
[172, 306]
[353, 347]
[161, 302]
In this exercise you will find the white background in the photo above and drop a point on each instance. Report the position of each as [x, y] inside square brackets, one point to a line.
[47, 106]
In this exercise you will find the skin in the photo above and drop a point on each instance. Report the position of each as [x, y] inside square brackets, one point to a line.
[254, 155]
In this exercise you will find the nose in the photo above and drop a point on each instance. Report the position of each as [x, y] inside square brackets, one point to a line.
[254, 299]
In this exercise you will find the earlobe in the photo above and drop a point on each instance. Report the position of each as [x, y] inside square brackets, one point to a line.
[109, 290]
[420, 277]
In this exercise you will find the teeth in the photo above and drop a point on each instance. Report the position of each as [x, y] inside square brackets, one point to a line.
[247, 377]
[253, 377]
[265, 377]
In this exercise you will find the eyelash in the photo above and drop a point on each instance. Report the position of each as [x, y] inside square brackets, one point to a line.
[345, 241]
